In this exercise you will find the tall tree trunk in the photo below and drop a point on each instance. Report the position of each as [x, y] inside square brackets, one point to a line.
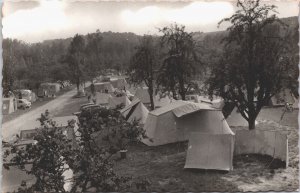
[150, 90]
[77, 84]
[251, 123]
[181, 89]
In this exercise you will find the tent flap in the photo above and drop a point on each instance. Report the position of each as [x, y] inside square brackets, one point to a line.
[210, 151]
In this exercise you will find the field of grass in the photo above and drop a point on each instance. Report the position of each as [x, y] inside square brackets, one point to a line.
[163, 166]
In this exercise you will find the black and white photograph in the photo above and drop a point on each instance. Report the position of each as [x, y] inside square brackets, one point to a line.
[150, 96]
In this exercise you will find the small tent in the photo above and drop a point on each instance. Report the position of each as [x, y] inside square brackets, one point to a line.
[281, 98]
[48, 89]
[119, 83]
[113, 102]
[136, 110]
[143, 95]
[173, 122]
[101, 98]
[61, 122]
[8, 105]
[159, 100]
[103, 86]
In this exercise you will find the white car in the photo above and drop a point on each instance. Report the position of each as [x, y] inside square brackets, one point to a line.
[23, 104]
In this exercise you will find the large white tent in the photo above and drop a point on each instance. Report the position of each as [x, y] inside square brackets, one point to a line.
[211, 141]
[159, 100]
[174, 122]
[101, 98]
[102, 86]
[119, 83]
[136, 110]
[113, 102]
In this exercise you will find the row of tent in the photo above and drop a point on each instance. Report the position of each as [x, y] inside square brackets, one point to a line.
[212, 143]
[211, 140]
[48, 89]
[9, 104]
[109, 86]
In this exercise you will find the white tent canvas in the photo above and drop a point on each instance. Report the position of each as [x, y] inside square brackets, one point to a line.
[143, 95]
[210, 151]
[136, 110]
[265, 142]
[296, 103]
[281, 98]
[101, 98]
[113, 102]
[159, 101]
[119, 83]
[102, 86]
[173, 122]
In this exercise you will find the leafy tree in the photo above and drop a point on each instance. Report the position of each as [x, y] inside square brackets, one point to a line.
[47, 155]
[76, 59]
[87, 151]
[93, 54]
[143, 65]
[254, 64]
[179, 63]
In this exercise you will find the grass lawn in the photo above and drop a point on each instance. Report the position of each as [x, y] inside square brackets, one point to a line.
[34, 105]
[163, 165]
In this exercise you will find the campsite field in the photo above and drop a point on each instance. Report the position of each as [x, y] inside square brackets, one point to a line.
[34, 105]
[163, 166]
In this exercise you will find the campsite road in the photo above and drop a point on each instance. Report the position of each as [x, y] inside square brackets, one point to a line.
[28, 120]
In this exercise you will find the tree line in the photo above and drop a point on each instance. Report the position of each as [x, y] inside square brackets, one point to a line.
[27, 65]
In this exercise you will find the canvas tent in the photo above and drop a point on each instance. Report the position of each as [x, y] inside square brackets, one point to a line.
[113, 102]
[136, 110]
[211, 141]
[101, 98]
[281, 98]
[174, 122]
[8, 105]
[28, 95]
[48, 89]
[102, 86]
[119, 83]
[143, 95]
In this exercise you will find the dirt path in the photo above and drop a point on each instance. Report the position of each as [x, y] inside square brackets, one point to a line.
[28, 120]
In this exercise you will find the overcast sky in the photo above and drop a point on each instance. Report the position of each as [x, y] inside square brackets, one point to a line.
[34, 21]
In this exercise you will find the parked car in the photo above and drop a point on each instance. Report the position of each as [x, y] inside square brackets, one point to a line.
[23, 104]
